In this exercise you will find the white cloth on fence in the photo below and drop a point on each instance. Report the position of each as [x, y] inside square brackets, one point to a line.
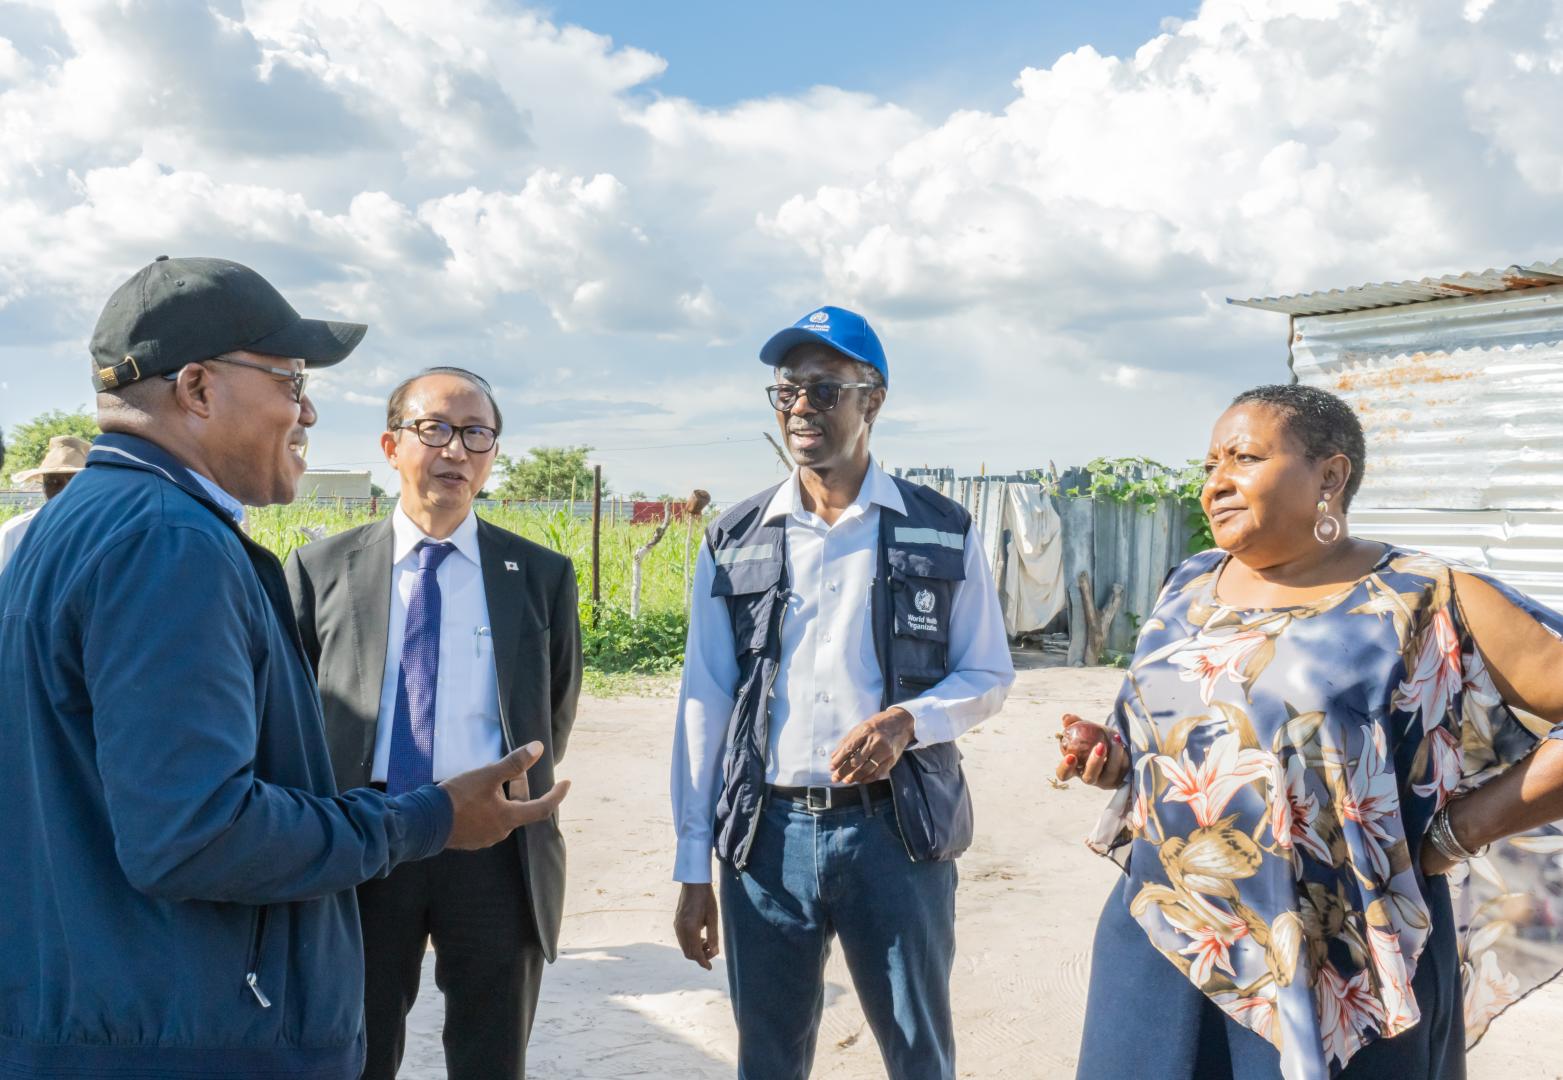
[11, 534]
[1032, 589]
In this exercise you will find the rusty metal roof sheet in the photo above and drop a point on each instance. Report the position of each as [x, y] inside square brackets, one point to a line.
[1461, 401]
[1394, 294]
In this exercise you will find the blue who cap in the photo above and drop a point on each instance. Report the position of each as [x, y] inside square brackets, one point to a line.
[845, 331]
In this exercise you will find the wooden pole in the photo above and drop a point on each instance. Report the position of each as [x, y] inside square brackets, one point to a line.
[696, 505]
[596, 539]
[1097, 623]
[785, 460]
[640, 555]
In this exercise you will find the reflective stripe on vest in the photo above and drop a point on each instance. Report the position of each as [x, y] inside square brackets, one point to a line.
[748, 553]
[905, 535]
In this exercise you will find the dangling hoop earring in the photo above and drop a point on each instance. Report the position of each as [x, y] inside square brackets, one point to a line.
[1327, 529]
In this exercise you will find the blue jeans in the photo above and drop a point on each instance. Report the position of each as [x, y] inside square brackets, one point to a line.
[840, 873]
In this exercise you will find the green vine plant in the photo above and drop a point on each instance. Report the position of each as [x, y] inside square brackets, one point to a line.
[1144, 482]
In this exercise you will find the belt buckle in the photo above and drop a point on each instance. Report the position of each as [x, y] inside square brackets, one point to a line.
[818, 798]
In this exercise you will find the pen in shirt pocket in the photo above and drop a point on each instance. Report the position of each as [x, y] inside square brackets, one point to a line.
[478, 634]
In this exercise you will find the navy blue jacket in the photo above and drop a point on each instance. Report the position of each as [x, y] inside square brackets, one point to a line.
[176, 898]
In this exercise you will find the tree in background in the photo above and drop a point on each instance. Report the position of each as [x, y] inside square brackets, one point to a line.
[547, 473]
[29, 442]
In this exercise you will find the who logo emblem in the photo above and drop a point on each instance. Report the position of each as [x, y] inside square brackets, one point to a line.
[924, 601]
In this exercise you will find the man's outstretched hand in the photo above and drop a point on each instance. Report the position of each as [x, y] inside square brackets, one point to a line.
[483, 815]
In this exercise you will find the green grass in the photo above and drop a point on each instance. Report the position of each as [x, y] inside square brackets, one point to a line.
[613, 643]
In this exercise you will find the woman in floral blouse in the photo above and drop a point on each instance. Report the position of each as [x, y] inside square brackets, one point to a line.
[1316, 741]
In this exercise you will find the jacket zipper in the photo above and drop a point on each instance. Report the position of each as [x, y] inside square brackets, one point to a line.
[252, 977]
[754, 819]
[895, 810]
[888, 619]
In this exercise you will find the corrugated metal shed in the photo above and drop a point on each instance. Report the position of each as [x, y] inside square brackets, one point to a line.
[1394, 293]
[1461, 400]
[335, 483]
[1459, 385]
[1523, 549]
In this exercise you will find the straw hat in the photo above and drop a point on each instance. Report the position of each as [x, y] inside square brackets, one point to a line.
[67, 454]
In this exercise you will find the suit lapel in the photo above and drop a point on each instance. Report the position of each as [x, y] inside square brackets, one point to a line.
[369, 589]
[504, 582]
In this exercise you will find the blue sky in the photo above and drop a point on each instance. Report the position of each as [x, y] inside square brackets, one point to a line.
[941, 55]
[606, 208]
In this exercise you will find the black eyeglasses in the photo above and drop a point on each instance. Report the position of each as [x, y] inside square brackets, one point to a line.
[297, 378]
[824, 396]
[477, 438]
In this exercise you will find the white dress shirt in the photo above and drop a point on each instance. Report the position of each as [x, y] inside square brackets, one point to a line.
[829, 679]
[11, 533]
[466, 693]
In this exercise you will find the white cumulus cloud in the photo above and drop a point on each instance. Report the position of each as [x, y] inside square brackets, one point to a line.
[489, 187]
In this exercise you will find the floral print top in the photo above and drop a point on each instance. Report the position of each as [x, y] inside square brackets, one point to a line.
[1285, 764]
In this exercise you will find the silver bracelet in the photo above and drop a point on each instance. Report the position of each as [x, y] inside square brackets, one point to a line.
[1441, 833]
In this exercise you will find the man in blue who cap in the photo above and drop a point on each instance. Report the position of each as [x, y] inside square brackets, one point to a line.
[844, 631]
[179, 865]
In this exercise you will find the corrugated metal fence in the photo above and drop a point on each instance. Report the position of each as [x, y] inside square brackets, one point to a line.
[1115, 542]
[1127, 544]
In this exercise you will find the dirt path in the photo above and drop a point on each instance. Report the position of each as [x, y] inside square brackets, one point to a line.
[622, 1002]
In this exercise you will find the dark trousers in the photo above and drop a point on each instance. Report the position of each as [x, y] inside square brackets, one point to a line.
[842, 874]
[487, 960]
[1144, 1019]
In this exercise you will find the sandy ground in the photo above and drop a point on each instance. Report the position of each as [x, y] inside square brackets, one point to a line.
[623, 1002]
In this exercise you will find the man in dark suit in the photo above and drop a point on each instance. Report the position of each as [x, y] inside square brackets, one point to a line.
[440, 641]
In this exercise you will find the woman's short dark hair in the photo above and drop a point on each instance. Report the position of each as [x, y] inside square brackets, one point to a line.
[396, 407]
[1322, 422]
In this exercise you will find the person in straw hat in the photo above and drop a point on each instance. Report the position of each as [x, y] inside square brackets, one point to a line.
[67, 456]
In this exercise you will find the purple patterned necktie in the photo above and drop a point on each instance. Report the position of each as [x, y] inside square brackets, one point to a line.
[412, 727]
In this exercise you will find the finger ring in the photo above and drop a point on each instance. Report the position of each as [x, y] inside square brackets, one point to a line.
[873, 764]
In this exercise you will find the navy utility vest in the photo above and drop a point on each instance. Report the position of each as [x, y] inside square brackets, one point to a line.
[920, 562]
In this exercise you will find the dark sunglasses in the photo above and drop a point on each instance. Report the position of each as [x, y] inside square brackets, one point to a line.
[297, 378]
[477, 438]
[823, 396]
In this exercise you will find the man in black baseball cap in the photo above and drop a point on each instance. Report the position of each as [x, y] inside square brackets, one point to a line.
[180, 311]
[180, 866]
[219, 332]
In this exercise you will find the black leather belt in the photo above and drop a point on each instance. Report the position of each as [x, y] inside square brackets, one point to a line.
[818, 800]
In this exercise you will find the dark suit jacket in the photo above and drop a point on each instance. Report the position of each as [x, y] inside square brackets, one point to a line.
[341, 590]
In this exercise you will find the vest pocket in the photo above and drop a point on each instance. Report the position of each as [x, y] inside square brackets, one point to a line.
[920, 621]
[933, 806]
[750, 587]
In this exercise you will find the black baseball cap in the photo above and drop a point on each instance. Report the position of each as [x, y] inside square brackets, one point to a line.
[180, 311]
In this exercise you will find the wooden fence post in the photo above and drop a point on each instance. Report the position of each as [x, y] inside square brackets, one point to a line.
[1096, 624]
[640, 555]
[596, 539]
